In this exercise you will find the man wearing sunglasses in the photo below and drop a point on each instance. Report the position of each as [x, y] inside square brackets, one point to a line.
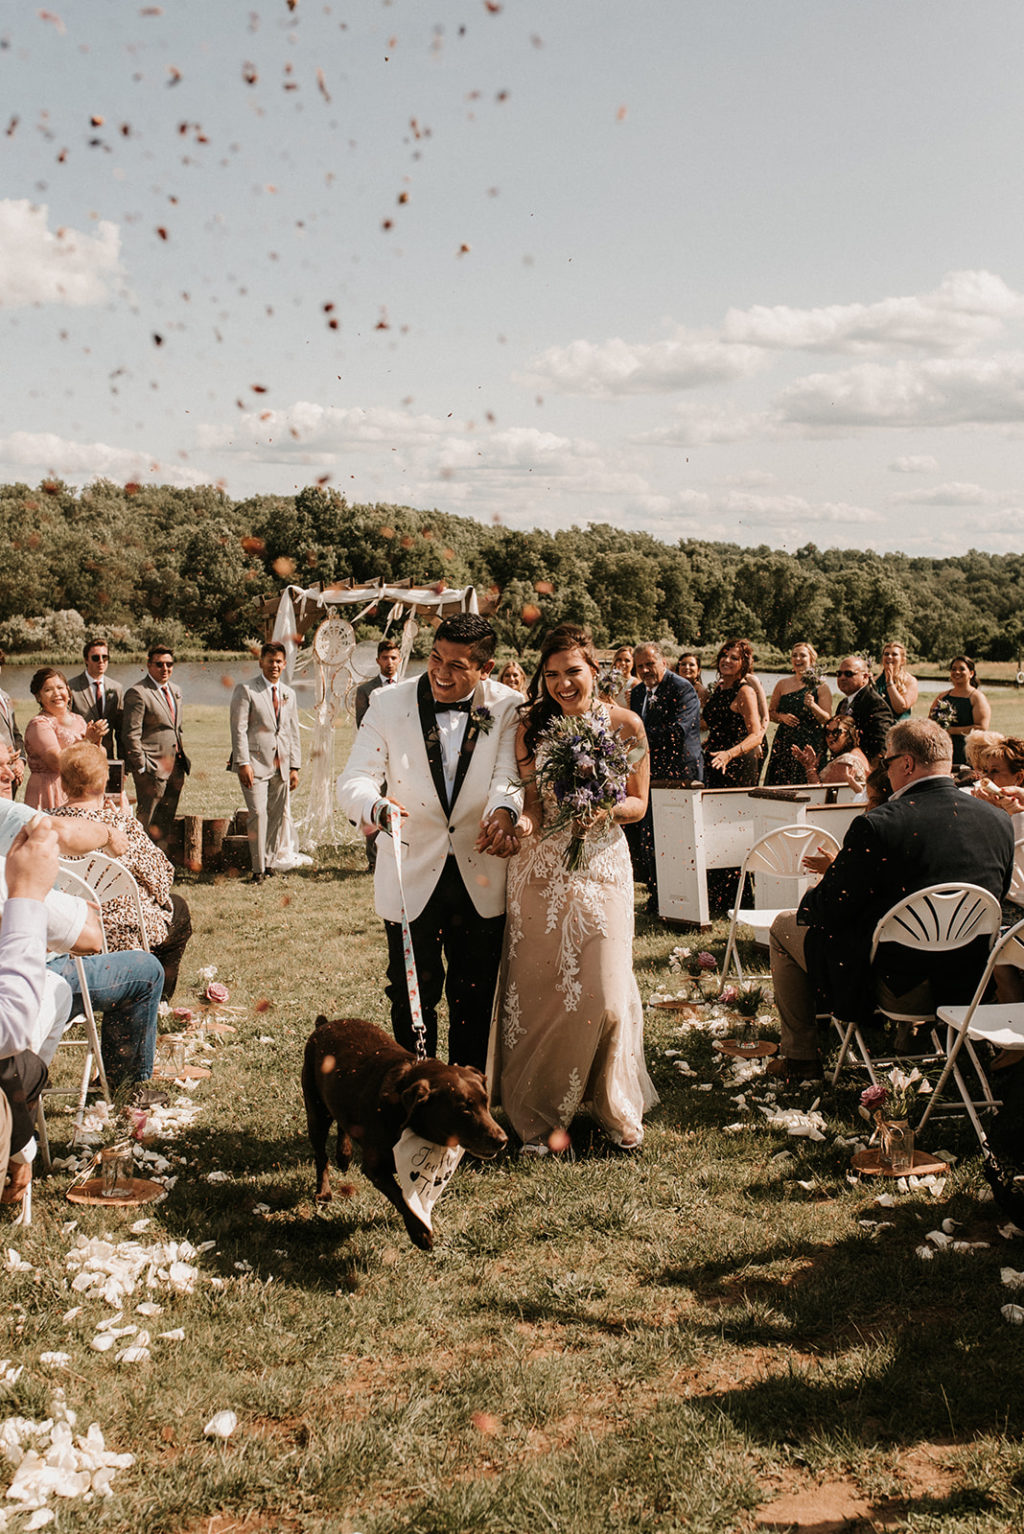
[152, 746]
[869, 711]
[94, 695]
[928, 832]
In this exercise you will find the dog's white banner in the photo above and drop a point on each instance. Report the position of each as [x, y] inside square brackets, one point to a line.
[424, 1170]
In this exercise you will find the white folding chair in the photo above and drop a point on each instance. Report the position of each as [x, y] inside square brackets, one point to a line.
[108, 879]
[779, 854]
[999, 1024]
[937, 919]
[70, 883]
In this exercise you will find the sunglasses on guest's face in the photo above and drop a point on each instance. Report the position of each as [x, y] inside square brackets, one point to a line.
[847, 673]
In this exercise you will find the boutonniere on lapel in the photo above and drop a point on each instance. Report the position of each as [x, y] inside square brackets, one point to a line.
[481, 719]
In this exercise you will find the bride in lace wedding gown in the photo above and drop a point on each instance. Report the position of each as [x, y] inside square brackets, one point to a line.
[568, 1029]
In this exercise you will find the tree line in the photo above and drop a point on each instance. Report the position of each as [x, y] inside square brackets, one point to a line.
[137, 562]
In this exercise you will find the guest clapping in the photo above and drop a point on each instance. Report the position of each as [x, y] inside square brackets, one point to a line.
[971, 710]
[46, 736]
[895, 684]
[847, 763]
[732, 754]
[83, 773]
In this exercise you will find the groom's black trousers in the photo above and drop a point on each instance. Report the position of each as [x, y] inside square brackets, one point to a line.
[448, 931]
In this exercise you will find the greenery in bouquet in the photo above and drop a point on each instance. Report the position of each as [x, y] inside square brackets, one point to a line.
[893, 1097]
[585, 766]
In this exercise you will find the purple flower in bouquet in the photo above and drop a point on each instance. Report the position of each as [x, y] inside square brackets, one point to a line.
[707, 961]
[943, 713]
[586, 768]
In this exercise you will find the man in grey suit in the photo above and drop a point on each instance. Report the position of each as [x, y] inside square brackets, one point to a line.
[152, 746]
[266, 754]
[11, 737]
[94, 695]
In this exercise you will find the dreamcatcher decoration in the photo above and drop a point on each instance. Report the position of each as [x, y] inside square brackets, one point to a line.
[334, 646]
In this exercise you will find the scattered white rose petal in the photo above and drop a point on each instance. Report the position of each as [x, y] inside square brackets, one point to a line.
[149, 1308]
[102, 1342]
[949, 1226]
[69, 1315]
[55, 1360]
[733, 1129]
[925, 1252]
[221, 1426]
[261, 1208]
[14, 1263]
[135, 1355]
[1012, 1313]
[1009, 1230]
[218, 1177]
[885, 1201]
[938, 1238]
[178, 1335]
[140, 1226]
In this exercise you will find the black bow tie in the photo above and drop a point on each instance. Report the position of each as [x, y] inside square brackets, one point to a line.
[452, 708]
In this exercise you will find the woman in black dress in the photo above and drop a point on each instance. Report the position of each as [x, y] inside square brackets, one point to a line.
[732, 753]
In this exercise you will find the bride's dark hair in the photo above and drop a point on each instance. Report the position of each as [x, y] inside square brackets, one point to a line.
[540, 706]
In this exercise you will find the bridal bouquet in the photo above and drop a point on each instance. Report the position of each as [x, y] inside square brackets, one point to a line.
[943, 713]
[586, 767]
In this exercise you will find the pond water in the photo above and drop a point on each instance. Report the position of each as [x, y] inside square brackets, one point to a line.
[212, 683]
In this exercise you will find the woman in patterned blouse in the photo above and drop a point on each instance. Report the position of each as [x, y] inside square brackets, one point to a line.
[83, 776]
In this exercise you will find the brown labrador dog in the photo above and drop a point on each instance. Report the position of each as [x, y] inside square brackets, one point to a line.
[354, 1074]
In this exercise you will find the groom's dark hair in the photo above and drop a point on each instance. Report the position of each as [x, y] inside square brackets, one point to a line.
[471, 629]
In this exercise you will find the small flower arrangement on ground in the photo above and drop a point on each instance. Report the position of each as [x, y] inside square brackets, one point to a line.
[586, 767]
[895, 1097]
[213, 991]
[701, 968]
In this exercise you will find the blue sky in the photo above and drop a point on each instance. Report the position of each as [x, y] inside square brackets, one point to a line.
[704, 268]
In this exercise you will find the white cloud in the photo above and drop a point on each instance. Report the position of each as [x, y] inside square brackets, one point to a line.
[936, 392]
[64, 266]
[914, 463]
[314, 433]
[37, 454]
[952, 494]
[698, 425]
[604, 369]
[966, 307]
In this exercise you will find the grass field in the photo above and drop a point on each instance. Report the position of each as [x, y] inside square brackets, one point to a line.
[700, 1337]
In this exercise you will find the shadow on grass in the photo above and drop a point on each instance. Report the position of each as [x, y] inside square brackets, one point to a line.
[885, 1345]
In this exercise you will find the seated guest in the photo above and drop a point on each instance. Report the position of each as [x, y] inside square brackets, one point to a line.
[927, 833]
[30, 868]
[999, 761]
[83, 775]
[53, 728]
[846, 763]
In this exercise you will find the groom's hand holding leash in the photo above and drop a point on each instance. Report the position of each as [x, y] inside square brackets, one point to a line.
[498, 835]
[380, 816]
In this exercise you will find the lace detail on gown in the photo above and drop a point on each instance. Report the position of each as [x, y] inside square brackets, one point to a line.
[569, 1018]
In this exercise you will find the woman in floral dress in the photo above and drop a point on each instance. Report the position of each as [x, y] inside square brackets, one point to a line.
[568, 1028]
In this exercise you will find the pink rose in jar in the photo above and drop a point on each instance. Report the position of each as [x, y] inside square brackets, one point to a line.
[216, 993]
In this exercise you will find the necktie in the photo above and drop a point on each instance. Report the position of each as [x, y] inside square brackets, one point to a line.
[168, 699]
[277, 706]
[99, 697]
[844, 707]
[452, 708]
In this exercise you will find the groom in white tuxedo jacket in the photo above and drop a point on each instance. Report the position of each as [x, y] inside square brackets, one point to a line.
[445, 746]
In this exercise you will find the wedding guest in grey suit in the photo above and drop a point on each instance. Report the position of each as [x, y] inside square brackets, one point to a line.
[94, 695]
[151, 743]
[11, 737]
[266, 754]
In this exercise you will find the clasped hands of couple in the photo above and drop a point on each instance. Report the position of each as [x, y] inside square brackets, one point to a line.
[500, 836]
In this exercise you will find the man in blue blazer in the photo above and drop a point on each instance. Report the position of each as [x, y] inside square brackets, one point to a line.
[670, 709]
